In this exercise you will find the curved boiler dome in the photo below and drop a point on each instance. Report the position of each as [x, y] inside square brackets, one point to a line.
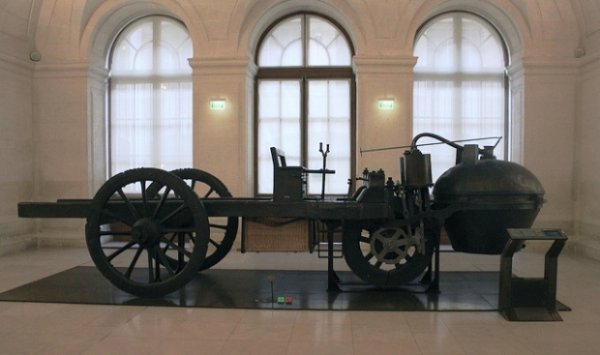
[489, 196]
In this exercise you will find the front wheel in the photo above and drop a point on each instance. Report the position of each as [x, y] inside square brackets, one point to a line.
[387, 254]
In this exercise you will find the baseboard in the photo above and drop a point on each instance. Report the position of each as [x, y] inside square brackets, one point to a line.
[15, 244]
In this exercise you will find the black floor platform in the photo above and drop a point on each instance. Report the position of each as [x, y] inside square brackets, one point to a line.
[460, 291]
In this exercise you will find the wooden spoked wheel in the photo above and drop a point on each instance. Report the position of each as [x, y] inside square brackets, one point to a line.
[138, 240]
[223, 230]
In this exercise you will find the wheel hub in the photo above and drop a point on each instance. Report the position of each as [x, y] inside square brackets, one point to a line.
[146, 232]
[392, 244]
[389, 245]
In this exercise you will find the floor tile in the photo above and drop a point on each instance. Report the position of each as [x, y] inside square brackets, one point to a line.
[31, 328]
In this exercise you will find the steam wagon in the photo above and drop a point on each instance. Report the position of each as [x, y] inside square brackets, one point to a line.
[150, 231]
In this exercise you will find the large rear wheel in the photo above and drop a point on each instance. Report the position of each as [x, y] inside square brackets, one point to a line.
[138, 240]
[223, 230]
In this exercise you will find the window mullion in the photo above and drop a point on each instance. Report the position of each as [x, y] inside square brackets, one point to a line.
[457, 103]
[305, 37]
[138, 132]
[304, 74]
[155, 93]
[304, 121]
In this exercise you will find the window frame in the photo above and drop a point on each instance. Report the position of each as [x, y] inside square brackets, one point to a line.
[149, 79]
[303, 74]
[506, 58]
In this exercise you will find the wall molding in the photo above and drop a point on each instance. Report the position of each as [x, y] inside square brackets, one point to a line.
[62, 70]
[222, 66]
[20, 66]
[536, 66]
[378, 65]
[590, 64]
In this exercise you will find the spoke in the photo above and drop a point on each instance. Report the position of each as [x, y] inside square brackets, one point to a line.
[369, 256]
[398, 266]
[397, 234]
[192, 238]
[120, 250]
[218, 226]
[384, 250]
[365, 240]
[144, 197]
[161, 202]
[131, 208]
[178, 248]
[167, 245]
[133, 262]
[210, 191]
[211, 241]
[156, 264]
[193, 184]
[150, 268]
[378, 264]
[403, 242]
[117, 217]
[172, 214]
[181, 243]
[380, 238]
[114, 233]
[163, 260]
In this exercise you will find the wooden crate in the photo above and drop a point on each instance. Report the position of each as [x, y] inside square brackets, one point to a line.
[273, 234]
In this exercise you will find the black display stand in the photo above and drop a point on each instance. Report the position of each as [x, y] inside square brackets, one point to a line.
[530, 299]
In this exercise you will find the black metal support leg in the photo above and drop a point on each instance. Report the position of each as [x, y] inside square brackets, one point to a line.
[434, 285]
[332, 278]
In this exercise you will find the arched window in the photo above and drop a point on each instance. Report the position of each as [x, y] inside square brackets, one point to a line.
[150, 117]
[460, 84]
[305, 95]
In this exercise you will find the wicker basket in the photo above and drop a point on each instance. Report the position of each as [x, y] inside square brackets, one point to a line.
[275, 234]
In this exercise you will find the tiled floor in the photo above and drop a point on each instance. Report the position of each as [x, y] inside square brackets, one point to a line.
[29, 328]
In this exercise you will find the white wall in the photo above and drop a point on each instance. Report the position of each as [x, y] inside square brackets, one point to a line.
[587, 164]
[587, 161]
[549, 89]
[16, 135]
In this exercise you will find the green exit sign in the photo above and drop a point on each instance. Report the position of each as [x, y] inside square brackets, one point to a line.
[386, 104]
[217, 104]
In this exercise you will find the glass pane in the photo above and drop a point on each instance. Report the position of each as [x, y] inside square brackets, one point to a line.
[131, 125]
[483, 44]
[132, 52]
[329, 122]
[292, 55]
[435, 47]
[278, 126]
[327, 116]
[151, 96]
[174, 131]
[459, 42]
[283, 45]
[327, 46]
[174, 49]
[459, 89]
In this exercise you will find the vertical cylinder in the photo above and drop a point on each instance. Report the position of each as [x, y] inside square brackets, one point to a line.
[417, 169]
